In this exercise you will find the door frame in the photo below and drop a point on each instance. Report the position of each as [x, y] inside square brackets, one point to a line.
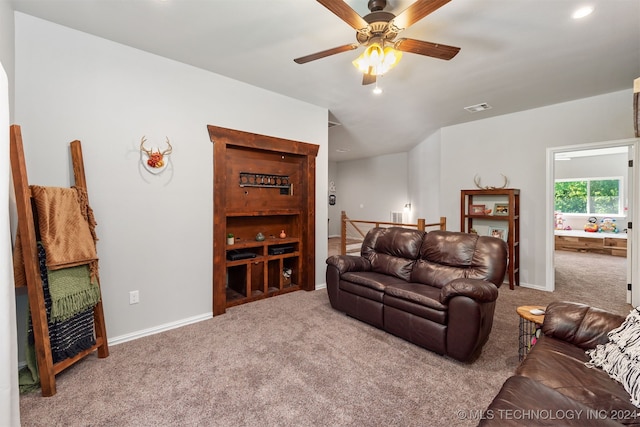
[633, 297]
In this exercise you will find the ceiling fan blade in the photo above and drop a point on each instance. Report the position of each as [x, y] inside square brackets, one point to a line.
[325, 53]
[345, 12]
[416, 12]
[368, 79]
[440, 51]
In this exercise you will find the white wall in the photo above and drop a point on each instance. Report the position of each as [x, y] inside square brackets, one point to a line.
[369, 189]
[515, 145]
[155, 230]
[603, 165]
[424, 180]
[9, 399]
[7, 47]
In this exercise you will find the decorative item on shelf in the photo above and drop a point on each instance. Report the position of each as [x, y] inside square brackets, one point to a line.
[250, 179]
[559, 221]
[592, 225]
[477, 209]
[283, 234]
[608, 225]
[230, 239]
[260, 237]
[286, 273]
[501, 209]
[499, 232]
[154, 161]
[488, 211]
[476, 181]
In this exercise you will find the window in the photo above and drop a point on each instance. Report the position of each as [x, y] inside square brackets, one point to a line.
[589, 196]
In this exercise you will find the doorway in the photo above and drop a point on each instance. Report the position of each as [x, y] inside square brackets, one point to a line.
[593, 164]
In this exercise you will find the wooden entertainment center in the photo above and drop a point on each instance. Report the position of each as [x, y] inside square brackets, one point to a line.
[263, 186]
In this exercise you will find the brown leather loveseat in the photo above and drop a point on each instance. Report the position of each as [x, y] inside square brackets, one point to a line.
[435, 289]
[554, 385]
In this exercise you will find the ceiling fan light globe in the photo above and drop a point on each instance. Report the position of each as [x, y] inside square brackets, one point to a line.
[369, 58]
[376, 61]
[361, 64]
[391, 58]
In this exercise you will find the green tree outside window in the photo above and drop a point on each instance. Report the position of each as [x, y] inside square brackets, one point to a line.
[588, 196]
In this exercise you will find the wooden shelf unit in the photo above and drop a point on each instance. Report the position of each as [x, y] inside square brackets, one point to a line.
[47, 369]
[253, 278]
[262, 184]
[510, 196]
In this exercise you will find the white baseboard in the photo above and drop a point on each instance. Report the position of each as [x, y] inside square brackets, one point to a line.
[321, 286]
[333, 235]
[530, 286]
[160, 328]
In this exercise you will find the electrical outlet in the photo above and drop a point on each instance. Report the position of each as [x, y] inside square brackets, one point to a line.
[134, 297]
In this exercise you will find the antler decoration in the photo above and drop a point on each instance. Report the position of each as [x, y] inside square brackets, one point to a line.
[155, 158]
[476, 181]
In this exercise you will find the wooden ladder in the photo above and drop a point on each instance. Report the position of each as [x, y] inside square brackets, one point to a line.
[46, 368]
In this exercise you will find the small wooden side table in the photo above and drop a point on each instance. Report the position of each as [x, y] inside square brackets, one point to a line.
[529, 326]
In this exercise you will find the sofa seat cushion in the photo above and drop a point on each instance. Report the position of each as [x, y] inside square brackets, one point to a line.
[367, 284]
[571, 377]
[417, 293]
[369, 279]
[523, 401]
[418, 299]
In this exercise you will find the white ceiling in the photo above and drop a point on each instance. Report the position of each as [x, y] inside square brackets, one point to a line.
[515, 55]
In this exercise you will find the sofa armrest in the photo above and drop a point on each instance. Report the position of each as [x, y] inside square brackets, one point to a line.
[346, 263]
[476, 289]
[579, 324]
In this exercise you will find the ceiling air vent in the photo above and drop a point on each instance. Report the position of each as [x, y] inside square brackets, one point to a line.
[333, 124]
[478, 107]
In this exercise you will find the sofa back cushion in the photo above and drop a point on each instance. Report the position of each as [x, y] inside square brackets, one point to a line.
[392, 250]
[448, 255]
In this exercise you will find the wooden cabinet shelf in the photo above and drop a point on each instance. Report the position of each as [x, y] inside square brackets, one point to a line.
[508, 199]
[579, 241]
[254, 181]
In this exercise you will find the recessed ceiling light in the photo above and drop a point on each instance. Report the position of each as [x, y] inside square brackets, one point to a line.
[377, 90]
[582, 12]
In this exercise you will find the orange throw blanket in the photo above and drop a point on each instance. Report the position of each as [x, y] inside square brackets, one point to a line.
[67, 230]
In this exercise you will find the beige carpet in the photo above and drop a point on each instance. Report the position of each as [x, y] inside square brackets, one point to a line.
[294, 361]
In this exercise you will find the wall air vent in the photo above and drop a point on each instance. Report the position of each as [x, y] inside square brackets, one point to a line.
[478, 107]
[397, 217]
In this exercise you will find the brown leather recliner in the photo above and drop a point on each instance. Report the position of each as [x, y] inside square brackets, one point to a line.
[435, 289]
[554, 385]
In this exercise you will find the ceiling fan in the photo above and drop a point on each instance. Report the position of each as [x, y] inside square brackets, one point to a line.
[378, 31]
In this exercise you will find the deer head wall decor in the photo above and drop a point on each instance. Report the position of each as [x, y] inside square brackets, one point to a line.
[154, 161]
